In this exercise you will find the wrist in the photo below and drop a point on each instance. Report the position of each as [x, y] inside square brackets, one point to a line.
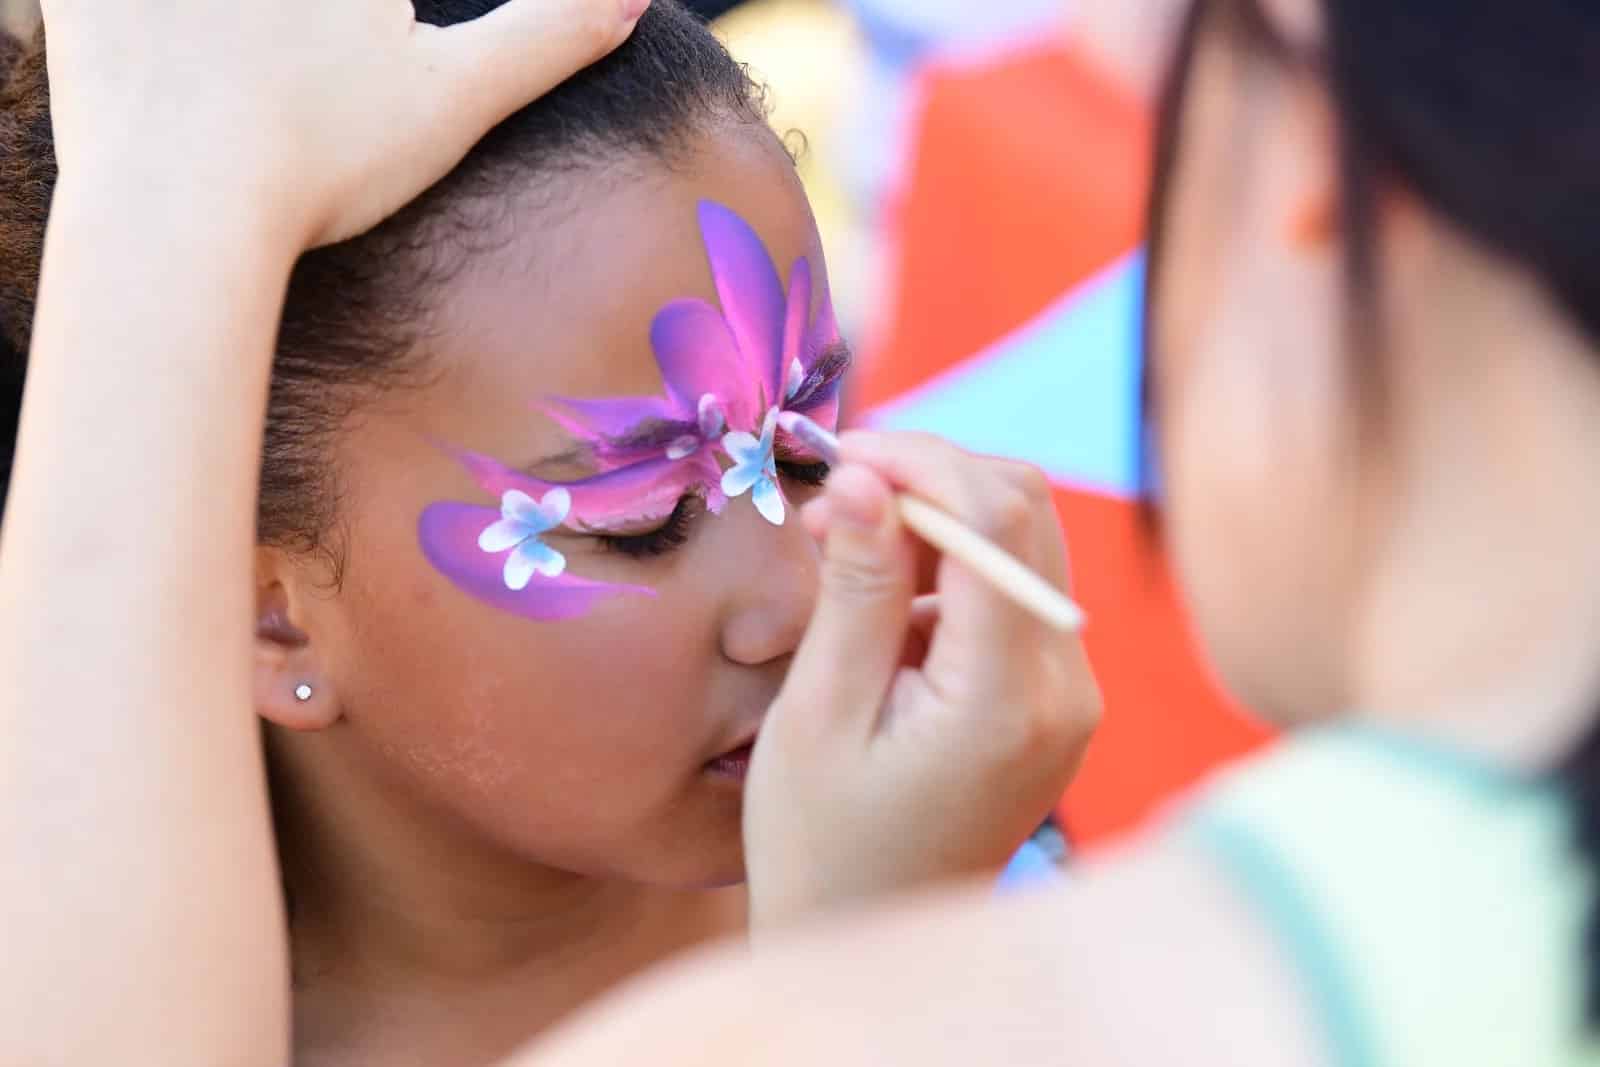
[182, 215]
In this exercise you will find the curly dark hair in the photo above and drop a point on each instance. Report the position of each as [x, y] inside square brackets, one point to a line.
[356, 311]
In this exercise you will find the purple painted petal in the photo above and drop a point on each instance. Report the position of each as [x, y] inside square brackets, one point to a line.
[751, 294]
[822, 408]
[824, 332]
[823, 337]
[599, 420]
[769, 501]
[699, 356]
[649, 488]
[795, 334]
[449, 533]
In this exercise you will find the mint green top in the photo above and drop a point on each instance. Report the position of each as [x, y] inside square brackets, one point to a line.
[1432, 905]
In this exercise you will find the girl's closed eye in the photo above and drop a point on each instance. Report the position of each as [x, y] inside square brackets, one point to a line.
[671, 534]
[810, 472]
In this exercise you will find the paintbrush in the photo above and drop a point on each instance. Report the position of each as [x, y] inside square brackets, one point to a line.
[983, 557]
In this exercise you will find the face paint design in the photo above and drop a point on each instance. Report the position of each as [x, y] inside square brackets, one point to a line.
[727, 375]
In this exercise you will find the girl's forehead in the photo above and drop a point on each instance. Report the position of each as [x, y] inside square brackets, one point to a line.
[563, 303]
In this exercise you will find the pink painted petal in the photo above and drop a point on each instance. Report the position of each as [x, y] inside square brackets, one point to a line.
[639, 490]
[751, 294]
[449, 532]
[716, 499]
[643, 490]
[698, 356]
[822, 409]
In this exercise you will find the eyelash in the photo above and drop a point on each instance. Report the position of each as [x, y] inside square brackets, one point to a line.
[658, 542]
[812, 474]
[674, 533]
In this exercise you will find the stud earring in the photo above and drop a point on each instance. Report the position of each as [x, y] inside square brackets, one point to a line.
[302, 692]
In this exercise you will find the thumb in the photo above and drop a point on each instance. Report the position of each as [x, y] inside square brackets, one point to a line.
[499, 62]
[852, 649]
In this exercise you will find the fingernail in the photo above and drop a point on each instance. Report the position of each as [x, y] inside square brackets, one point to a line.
[856, 496]
[633, 9]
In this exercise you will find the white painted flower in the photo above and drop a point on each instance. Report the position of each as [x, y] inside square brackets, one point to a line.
[523, 521]
[755, 469]
[796, 379]
[711, 423]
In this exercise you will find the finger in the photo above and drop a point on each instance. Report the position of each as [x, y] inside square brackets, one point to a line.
[1051, 559]
[982, 635]
[497, 63]
[852, 648]
[965, 485]
[816, 517]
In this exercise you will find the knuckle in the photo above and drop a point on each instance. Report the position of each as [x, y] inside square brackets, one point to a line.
[1025, 477]
[1071, 710]
[1033, 482]
[1055, 735]
[921, 441]
[598, 26]
[588, 26]
[1058, 715]
[1008, 516]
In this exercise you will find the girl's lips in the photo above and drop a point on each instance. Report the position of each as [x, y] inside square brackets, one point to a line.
[733, 764]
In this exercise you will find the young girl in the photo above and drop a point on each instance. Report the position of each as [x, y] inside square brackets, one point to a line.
[530, 569]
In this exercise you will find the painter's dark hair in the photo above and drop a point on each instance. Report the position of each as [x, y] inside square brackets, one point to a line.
[356, 311]
[1485, 112]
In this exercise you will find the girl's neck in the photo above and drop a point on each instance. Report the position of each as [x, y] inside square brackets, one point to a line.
[387, 984]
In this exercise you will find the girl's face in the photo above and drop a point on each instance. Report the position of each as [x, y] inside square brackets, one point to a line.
[608, 743]
[1250, 386]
